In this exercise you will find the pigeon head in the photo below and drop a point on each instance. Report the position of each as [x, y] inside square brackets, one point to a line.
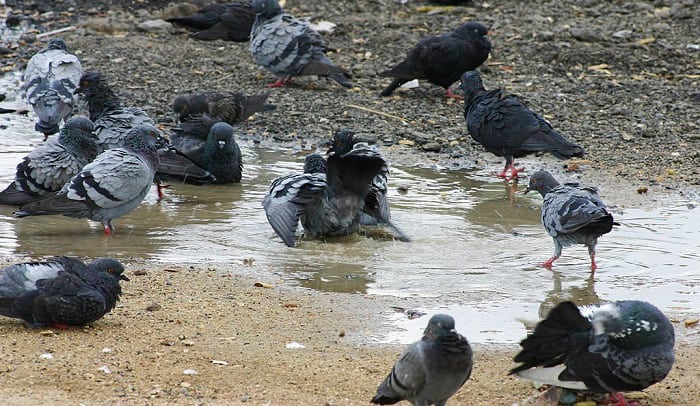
[57, 43]
[632, 324]
[144, 137]
[221, 135]
[266, 8]
[91, 83]
[181, 105]
[439, 326]
[78, 132]
[541, 181]
[472, 30]
[80, 124]
[109, 268]
[314, 163]
[472, 85]
[343, 141]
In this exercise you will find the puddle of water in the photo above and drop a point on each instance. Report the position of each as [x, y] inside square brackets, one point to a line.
[473, 255]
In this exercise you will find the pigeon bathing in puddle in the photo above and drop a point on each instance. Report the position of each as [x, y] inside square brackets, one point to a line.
[431, 370]
[508, 128]
[230, 107]
[60, 292]
[620, 346]
[571, 214]
[48, 167]
[289, 47]
[111, 186]
[327, 197]
[441, 59]
[51, 77]
[227, 22]
[112, 119]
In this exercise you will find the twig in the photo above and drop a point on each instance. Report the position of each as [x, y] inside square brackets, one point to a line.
[380, 113]
[58, 31]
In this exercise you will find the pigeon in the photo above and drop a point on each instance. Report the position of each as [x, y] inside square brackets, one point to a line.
[441, 59]
[571, 214]
[376, 208]
[621, 346]
[327, 197]
[431, 370]
[228, 22]
[231, 107]
[111, 186]
[60, 292]
[210, 144]
[48, 167]
[112, 120]
[508, 128]
[289, 47]
[51, 77]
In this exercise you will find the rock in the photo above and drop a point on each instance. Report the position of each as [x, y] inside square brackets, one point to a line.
[622, 34]
[432, 146]
[154, 25]
[545, 35]
[179, 10]
[584, 34]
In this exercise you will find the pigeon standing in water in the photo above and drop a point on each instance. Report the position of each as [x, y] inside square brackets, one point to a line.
[571, 214]
[441, 59]
[231, 107]
[112, 120]
[51, 77]
[228, 22]
[621, 346]
[48, 167]
[111, 186]
[62, 291]
[431, 370]
[327, 197]
[289, 47]
[507, 128]
[376, 209]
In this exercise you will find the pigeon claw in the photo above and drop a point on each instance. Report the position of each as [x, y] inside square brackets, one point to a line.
[281, 82]
[60, 326]
[450, 95]
[617, 399]
[548, 263]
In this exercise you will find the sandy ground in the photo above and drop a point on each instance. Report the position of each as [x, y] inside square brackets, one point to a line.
[637, 117]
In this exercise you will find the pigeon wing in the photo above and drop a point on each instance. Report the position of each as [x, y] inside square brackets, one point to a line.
[406, 379]
[67, 299]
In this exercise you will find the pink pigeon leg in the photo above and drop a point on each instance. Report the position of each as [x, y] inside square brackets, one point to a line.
[450, 95]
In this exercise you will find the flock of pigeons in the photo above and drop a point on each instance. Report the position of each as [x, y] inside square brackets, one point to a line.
[103, 166]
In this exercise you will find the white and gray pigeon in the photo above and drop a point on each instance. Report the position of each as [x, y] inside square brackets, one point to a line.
[431, 370]
[571, 214]
[62, 291]
[621, 346]
[48, 167]
[289, 47]
[112, 119]
[111, 186]
[327, 197]
[51, 77]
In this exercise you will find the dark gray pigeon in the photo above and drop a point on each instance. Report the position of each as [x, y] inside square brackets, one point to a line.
[431, 370]
[51, 77]
[621, 346]
[441, 59]
[571, 214]
[48, 167]
[111, 186]
[112, 120]
[227, 22]
[289, 47]
[376, 208]
[210, 144]
[230, 107]
[327, 197]
[507, 128]
[60, 292]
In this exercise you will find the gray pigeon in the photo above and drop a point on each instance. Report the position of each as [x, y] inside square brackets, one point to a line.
[228, 22]
[431, 370]
[111, 186]
[51, 77]
[60, 292]
[112, 120]
[621, 346]
[571, 214]
[230, 107]
[327, 197]
[289, 47]
[508, 128]
[211, 145]
[48, 167]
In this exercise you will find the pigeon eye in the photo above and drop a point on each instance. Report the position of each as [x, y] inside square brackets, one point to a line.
[110, 270]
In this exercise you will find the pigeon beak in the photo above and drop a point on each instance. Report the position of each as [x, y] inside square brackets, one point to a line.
[222, 144]
[491, 32]
[124, 278]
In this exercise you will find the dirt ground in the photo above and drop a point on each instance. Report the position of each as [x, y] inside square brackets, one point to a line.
[618, 78]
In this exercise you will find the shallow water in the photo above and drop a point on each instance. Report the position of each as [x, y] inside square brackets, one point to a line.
[474, 253]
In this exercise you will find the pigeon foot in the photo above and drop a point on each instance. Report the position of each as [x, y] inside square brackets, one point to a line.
[451, 95]
[281, 82]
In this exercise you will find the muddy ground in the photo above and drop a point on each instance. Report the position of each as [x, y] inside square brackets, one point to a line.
[618, 78]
